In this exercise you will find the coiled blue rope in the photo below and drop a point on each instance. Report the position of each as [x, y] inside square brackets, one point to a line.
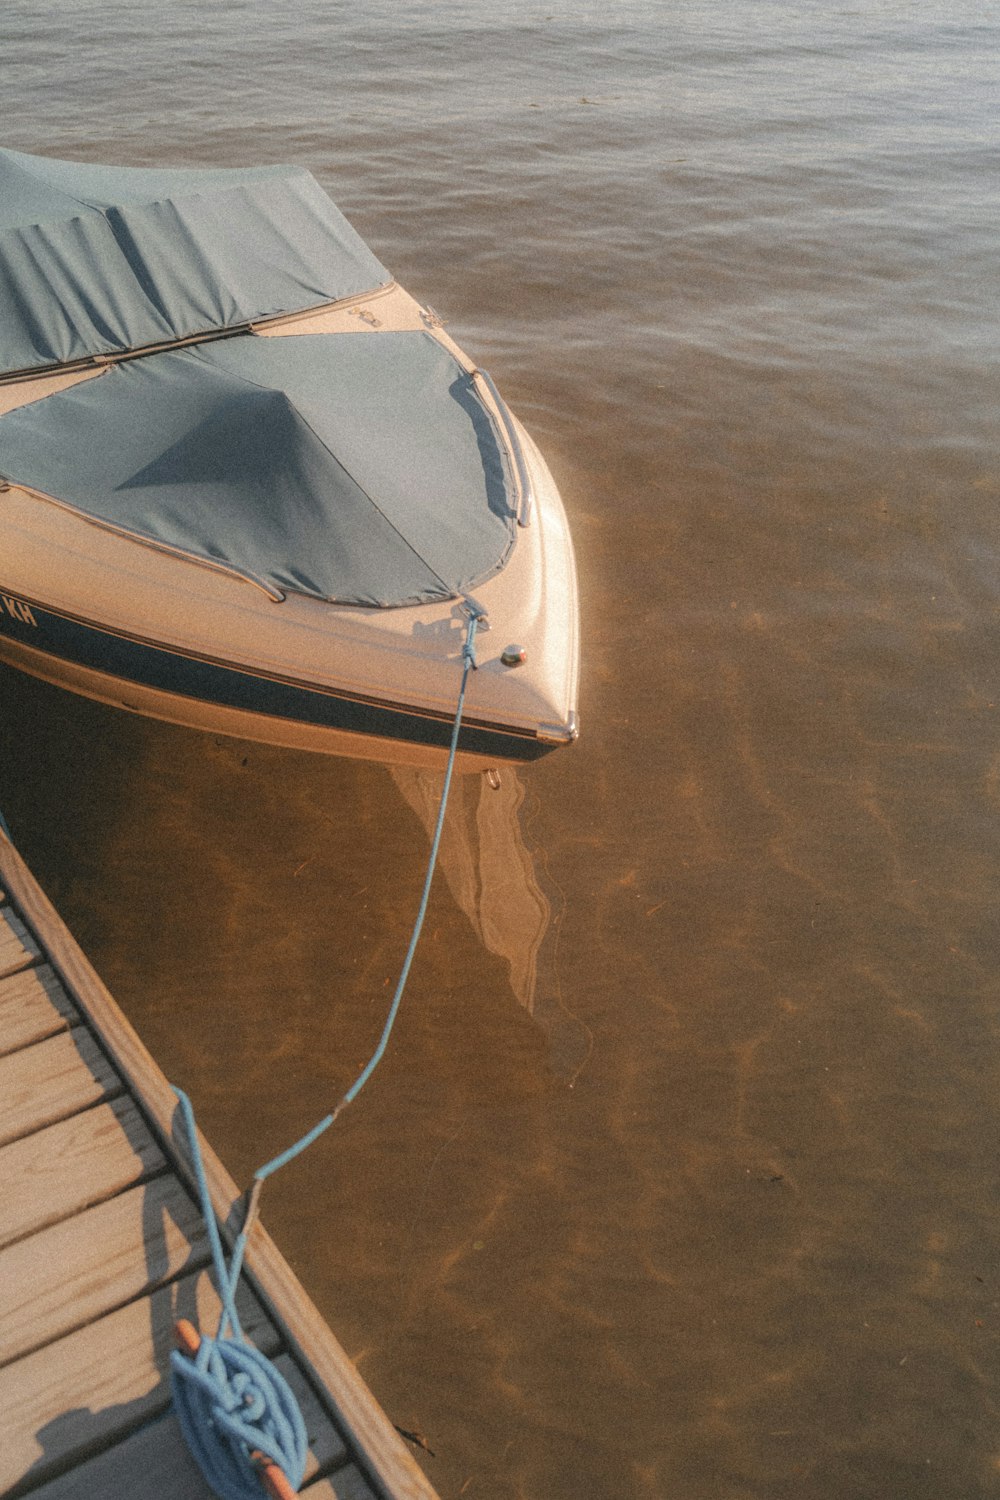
[232, 1404]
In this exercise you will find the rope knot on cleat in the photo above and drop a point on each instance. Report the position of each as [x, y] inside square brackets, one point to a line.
[238, 1416]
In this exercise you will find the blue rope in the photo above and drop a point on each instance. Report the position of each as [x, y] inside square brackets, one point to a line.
[232, 1404]
[468, 665]
[4, 829]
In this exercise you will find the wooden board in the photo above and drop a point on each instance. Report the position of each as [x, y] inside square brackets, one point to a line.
[33, 1006]
[108, 1379]
[78, 1269]
[155, 1461]
[56, 1172]
[51, 1081]
[17, 947]
[345, 1484]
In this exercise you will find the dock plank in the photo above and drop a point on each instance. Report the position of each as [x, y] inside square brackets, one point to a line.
[55, 1173]
[33, 1006]
[18, 948]
[49, 1081]
[345, 1484]
[76, 1270]
[106, 1380]
[155, 1460]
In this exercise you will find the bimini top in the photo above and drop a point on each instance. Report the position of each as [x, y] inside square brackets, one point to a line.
[98, 260]
[360, 468]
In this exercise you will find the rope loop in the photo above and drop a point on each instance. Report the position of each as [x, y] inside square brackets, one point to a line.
[233, 1407]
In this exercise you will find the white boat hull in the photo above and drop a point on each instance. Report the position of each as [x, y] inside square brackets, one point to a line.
[109, 617]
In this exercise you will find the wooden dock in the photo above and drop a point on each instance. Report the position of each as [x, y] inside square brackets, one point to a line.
[102, 1248]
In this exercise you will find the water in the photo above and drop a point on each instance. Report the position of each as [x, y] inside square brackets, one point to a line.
[680, 1177]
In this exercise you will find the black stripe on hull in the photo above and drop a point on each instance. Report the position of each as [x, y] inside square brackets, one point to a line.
[211, 682]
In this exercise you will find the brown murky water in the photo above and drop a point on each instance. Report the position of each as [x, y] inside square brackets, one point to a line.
[680, 1176]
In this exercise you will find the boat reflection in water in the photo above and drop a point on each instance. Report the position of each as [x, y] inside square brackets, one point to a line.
[491, 874]
[487, 866]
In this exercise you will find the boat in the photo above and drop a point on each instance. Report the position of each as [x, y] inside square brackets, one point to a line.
[248, 484]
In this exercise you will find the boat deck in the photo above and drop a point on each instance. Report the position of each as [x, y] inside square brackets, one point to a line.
[102, 1248]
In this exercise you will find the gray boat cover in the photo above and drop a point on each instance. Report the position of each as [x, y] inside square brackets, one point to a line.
[360, 467]
[96, 260]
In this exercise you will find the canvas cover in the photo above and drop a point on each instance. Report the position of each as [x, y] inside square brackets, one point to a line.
[97, 260]
[360, 468]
